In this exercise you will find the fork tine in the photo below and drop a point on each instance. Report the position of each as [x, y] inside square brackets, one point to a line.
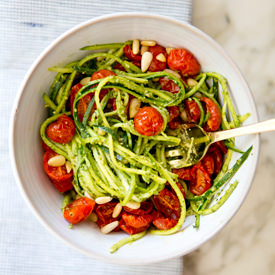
[173, 153]
[177, 163]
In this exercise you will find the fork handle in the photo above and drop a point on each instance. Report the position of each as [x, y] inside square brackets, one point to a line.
[265, 126]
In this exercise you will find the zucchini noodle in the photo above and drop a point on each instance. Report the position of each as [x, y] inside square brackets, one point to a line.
[109, 157]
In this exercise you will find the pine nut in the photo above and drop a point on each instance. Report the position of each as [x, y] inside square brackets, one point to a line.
[56, 161]
[93, 217]
[183, 116]
[148, 43]
[109, 227]
[173, 72]
[168, 50]
[68, 166]
[117, 210]
[161, 57]
[85, 81]
[102, 200]
[133, 205]
[191, 82]
[143, 49]
[134, 107]
[146, 60]
[135, 46]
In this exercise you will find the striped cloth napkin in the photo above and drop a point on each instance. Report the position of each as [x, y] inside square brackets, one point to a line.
[27, 27]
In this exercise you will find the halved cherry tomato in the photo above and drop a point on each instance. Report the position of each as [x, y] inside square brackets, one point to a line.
[184, 61]
[174, 112]
[168, 85]
[101, 74]
[192, 111]
[58, 175]
[214, 121]
[222, 147]
[118, 66]
[217, 156]
[167, 203]
[201, 181]
[137, 221]
[157, 65]
[145, 208]
[208, 164]
[164, 223]
[183, 173]
[136, 63]
[132, 230]
[79, 210]
[148, 121]
[62, 130]
[129, 53]
[174, 124]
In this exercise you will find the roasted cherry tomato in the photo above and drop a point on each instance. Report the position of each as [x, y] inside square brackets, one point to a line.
[221, 146]
[58, 175]
[214, 121]
[137, 221]
[168, 85]
[167, 203]
[132, 230]
[62, 130]
[174, 112]
[104, 213]
[101, 74]
[217, 156]
[192, 111]
[209, 164]
[145, 208]
[118, 66]
[174, 124]
[164, 223]
[129, 53]
[183, 173]
[148, 121]
[201, 181]
[79, 210]
[157, 65]
[136, 63]
[184, 61]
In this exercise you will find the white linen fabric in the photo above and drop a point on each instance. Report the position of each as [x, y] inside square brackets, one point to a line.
[27, 27]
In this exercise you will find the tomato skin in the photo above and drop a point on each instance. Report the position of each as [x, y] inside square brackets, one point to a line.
[183, 173]
[215, 152]
[192, 110]
[58, 175]
[148, 121]
[184, 61]
[201, 181]
[168, 85]
[79, 210]
[209, 164]
[74, 90]
[118, 66]
[221, 146]
[101, 74]
[167, 203]
[214, 121]
[137, 221]
[132, 230]
[62, 130]
[174, 112]
[164, 223]
[130, 55]
[157, 65]
[145, 208]
[46, 147]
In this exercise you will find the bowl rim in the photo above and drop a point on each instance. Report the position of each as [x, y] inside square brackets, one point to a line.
[44, 54]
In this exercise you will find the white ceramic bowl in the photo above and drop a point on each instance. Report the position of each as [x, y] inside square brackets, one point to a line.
[28, 113]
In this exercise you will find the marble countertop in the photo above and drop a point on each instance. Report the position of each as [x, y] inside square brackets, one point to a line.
[246, 245]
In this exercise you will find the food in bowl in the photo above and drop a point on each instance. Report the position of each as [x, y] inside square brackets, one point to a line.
[113, 115]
